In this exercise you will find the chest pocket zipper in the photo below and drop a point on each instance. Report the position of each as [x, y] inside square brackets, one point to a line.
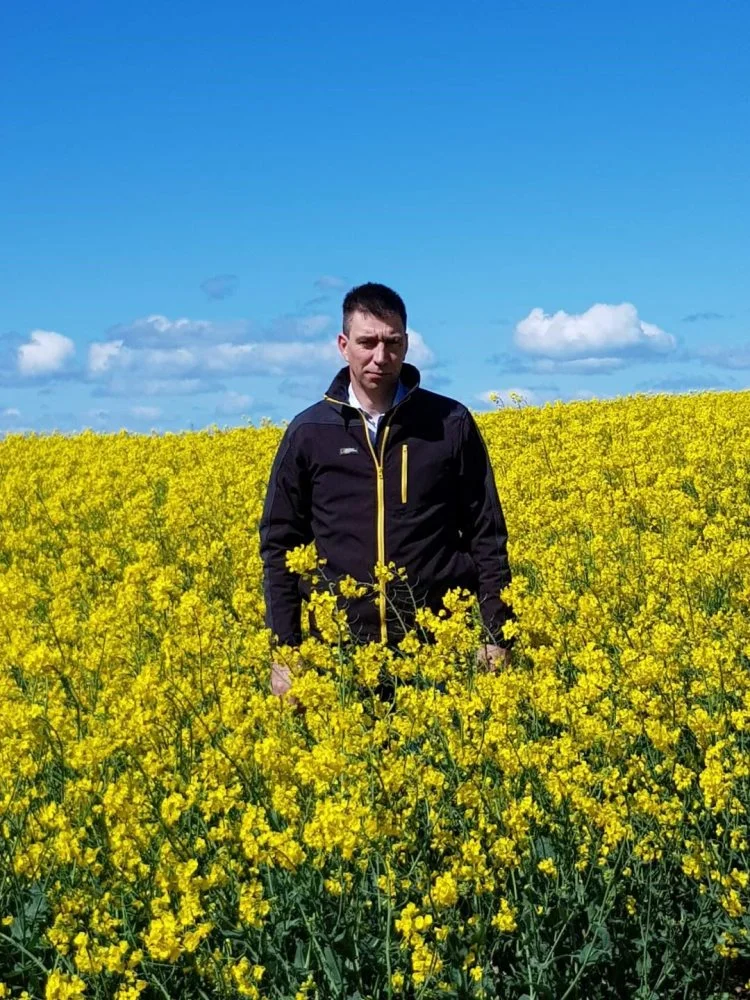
[404, 471]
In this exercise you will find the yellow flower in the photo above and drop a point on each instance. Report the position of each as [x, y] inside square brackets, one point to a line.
[162, 939]
[732, 904]
[61, 986]
[547, 867]
[505, 918]
[246, 977]
[397, 982]
[150, 780]
[445, 891]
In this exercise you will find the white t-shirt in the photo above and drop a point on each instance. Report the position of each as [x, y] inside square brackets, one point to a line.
[373, 420]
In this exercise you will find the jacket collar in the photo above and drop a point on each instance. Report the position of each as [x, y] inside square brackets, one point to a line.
[338, 390]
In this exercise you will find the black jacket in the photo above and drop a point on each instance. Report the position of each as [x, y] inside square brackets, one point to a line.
[423, 497]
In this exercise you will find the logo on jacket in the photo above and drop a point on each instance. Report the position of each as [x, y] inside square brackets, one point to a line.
[348, 451]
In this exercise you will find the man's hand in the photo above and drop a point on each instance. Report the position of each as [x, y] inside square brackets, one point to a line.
[492, 658]
[281, 683]
[281, 679]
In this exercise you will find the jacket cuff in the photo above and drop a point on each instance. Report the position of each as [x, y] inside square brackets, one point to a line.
[287, 639]
[494, 618]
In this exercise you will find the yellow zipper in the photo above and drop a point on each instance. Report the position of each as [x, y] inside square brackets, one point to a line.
[381, 506]
[404, 471]
[381, 521]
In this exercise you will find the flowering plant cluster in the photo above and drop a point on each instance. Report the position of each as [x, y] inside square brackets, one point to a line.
[574, 825]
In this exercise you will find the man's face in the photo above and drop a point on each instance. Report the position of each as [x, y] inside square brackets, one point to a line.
[374, 350]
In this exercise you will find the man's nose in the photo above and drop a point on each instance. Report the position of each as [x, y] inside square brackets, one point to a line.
[379, 356]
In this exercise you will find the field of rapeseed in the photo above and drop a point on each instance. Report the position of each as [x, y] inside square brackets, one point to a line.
[575, 826]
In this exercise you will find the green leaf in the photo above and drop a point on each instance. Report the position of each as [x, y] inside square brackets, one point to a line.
[331, 967]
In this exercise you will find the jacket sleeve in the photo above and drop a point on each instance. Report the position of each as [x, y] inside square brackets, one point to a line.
[483, 530]
[285, 524]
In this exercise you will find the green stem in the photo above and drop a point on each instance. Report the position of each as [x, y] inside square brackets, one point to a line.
[20, 947]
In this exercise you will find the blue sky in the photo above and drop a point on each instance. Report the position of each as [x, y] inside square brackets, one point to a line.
[560, 192]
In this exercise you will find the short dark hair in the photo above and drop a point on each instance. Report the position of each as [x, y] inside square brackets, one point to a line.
[378, 300]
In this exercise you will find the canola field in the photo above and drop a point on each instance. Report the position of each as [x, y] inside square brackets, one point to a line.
[573, 826]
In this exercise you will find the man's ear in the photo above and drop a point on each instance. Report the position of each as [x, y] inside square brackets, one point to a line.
[342, 342]
[406, 343]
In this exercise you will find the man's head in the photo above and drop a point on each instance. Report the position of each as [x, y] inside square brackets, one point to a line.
[373, 339]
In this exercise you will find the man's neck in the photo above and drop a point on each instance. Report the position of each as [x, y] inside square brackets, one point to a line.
[374, 403]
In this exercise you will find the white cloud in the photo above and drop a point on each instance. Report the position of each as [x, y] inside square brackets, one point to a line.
[313, 325]
[159, 332]
[10, 411]
[123, 385]
[294, 327]
[419, 353]
[576, 366]
[145, 412]
[173, 361]
[269, 359]
[158, 356]
[46, 353]
[687, 382]
[156, 347]
[233, 402]
[600, 332]
[172, 386]
[732, 356]
[519, 365]
[102, 356]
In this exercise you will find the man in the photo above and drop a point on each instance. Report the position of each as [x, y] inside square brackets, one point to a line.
[381, 470]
